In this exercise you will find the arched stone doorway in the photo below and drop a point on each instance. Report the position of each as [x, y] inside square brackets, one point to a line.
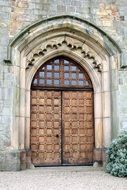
[78, 40]
[62, 123]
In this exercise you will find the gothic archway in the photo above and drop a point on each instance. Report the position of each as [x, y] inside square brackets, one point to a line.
[78, 40]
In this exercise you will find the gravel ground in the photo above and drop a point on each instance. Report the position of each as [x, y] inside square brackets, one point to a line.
[61, 178]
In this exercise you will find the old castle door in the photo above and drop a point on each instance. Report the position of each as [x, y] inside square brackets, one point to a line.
[61, 114]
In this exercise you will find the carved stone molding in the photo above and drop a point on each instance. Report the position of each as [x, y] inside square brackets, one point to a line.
[63, 43]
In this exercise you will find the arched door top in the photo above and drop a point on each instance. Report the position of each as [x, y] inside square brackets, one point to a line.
[61, 72]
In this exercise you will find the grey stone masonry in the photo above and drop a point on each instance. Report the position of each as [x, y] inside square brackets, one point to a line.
[15, 15]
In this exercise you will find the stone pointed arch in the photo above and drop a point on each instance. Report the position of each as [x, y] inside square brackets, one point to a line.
[81, 41]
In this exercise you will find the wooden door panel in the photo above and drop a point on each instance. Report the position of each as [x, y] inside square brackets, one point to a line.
[77, 118]
[77, 127]
[46, 127]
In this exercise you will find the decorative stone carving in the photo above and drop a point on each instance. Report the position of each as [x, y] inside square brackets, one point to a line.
[62, 43]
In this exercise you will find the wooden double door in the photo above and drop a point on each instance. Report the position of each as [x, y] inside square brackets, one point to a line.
[61, 127]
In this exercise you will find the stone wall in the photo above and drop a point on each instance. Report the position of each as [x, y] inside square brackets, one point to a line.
[15, 15]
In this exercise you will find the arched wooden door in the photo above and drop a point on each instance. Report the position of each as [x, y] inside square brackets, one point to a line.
[61, 114]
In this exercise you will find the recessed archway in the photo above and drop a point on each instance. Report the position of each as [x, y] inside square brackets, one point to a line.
[80, 41]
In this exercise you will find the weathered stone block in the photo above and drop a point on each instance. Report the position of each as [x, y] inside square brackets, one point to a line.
[10, 160]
